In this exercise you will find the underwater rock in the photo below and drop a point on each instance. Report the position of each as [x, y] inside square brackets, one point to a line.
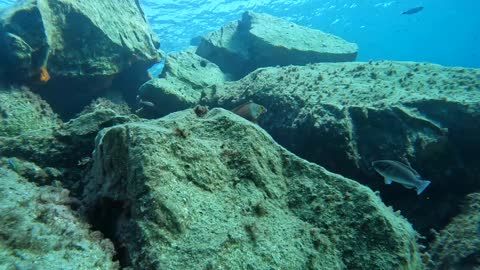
[179, 85]
[458, 245]
[166, 96]
[38, 230]
[343, 116]
[73, 39]
[214, 192]
[22, 111]
[67, 48]
[195, 71]
[42, 145]
[260, 40]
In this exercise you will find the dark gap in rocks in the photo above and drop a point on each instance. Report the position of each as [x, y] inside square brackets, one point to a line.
[105, 216]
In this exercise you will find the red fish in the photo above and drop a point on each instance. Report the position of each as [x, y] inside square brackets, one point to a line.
[250, 111]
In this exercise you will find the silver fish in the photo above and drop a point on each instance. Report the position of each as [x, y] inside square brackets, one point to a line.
[146, 103]
[394, 171]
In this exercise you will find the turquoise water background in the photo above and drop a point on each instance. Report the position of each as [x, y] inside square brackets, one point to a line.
[446, 32]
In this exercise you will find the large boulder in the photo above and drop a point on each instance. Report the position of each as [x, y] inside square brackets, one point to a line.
[196, 71]
[261, 40]
[39, 146]
[180, 84]
[38, 230]
[75, 47]
[345, 115]
[74, 39]
[22, 111]
[457, 246]
[210, 190]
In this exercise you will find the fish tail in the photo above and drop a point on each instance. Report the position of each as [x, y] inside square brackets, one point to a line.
[423, 185]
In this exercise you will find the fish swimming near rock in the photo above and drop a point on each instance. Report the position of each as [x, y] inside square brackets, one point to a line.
[250, 111]
[12, 164]
[412, 11]
[394, 171]
[146, 103]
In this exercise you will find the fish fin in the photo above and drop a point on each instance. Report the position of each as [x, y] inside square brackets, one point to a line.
[423, 185]
[408, 186]
[387, 181]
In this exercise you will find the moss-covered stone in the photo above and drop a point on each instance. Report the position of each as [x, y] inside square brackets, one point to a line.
[73, 52]
[340, 116]
[73, 39]
[43, 147]
[165, 96]
[457, 246]
[208, 191]
[179, 86]
[260, 40]
[193, 70]
[22, 111]
[38, 230]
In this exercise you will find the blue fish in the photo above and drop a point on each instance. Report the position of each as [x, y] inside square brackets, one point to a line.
[412, 11]
[12, 164]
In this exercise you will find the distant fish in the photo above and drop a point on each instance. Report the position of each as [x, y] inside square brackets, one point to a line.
[394, 171]
[412, 11]
[250, 111]
[146, 103]
[12, 164]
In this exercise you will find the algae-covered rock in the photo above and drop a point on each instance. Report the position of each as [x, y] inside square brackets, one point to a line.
[31, 171]
[72, 52]
[179, 86]
[193, 70]
[22, 111]
[457, 246]
[345, 115]
[74, 39]
[165, 96]
[38, 230]
[40, 145]
[260, 40]
[214, 191]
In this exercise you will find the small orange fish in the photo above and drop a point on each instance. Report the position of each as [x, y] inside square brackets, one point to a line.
[44, 76]
[250, 111]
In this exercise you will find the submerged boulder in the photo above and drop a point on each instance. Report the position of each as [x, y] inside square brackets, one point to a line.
[40, 147]
[211, 191]
[75, 47]
[73, 39]
[345, 115]
[457, 246]
[22, 111]
[261, 40]
[38, 230]
[180, 84]
[195, 71]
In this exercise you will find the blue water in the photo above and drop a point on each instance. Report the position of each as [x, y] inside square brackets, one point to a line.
[446, 32]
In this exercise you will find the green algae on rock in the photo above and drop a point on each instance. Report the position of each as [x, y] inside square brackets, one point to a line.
[166, 96]
[73, 39]
[38, 230]
[22, 111]
[261, 40]
[194, 70]
[345, 115]
[75, 51]
[217, 192]
[179, 86]
[43, 146]
[457, 246]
